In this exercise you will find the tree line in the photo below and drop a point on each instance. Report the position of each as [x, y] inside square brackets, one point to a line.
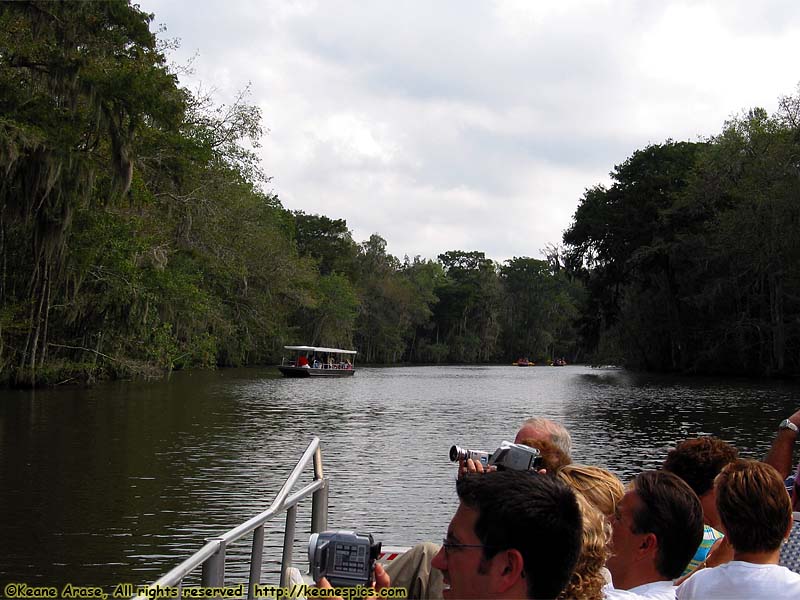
[691, 257]
[136, 236]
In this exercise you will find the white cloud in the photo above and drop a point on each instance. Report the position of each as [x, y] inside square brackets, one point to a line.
[477, 125]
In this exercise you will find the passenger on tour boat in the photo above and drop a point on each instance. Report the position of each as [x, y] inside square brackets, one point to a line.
[790, 551]
[780, 453]
[590, 575]
[599, 493]
[600, 487]
[756, 513]
[553, 458]
[538, 428]
[657, 528]
[303, 362]
[514, 535]
[698, 461]
[412, 570]
[780, 457]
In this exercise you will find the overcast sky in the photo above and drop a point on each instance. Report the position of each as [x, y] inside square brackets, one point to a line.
[477, 125]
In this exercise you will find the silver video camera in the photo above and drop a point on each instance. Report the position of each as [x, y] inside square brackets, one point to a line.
[345, 558]
[516, 457]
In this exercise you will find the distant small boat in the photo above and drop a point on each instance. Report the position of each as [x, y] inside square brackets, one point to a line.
[314, 361]
[523, 362]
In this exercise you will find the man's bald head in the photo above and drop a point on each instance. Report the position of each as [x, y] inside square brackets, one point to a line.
[538, 428]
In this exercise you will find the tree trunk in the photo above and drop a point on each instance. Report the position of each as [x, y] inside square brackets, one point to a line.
[776, 317]
[49, 285]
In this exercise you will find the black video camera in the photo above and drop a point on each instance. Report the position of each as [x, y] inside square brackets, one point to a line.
[345, 558]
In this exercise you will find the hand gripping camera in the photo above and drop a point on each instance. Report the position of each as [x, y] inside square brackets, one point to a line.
[517, 457]
[345, 558]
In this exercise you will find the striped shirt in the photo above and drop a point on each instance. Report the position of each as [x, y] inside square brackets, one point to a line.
[710, 537]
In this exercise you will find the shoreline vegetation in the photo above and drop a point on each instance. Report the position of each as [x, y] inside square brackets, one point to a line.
[136, 237]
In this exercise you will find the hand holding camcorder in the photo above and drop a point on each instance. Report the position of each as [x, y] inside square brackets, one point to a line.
[516, 457]
[344, 558]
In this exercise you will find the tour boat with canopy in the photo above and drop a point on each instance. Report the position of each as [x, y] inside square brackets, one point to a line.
[314, 361]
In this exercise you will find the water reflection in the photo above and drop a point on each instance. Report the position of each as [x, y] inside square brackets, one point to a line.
[121, 482]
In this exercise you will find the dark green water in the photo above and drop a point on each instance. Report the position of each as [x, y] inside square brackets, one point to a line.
[121, 482]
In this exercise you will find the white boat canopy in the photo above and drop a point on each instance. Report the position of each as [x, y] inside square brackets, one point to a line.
[318, 349]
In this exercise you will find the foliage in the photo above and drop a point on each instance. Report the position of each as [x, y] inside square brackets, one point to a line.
[691, 257]
[327, 241]
[132, 228]
[540, 305]
[136, 237]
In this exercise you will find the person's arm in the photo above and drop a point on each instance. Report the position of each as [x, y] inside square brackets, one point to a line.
[780, 454]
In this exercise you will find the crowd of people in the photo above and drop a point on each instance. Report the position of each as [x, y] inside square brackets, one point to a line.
[706, 524]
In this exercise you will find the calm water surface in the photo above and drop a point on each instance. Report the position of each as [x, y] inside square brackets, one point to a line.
[121, 482]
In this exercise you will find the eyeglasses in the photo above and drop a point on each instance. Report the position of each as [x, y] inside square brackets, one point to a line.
[448, 545]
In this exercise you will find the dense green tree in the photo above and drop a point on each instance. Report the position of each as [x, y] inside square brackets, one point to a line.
[132, 226]
[424, 277]
[691, 257]
[77, 83]
[327, 241]
[621, 242]
[383, 323]
[745, 272]
[539, 309]
[332, 319]
[467, 316]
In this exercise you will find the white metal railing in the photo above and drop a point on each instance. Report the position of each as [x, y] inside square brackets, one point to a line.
[211, 557]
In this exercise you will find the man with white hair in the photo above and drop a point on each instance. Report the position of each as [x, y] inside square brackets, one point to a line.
[538, 428]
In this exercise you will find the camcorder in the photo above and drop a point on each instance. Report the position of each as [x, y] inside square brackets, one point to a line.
[516, 457]
[345, 558]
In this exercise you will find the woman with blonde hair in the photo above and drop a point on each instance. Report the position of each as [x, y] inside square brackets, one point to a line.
[600, 487]
[588, 578]
[598, 492]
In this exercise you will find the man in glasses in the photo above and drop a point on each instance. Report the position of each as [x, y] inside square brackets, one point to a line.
[515, 535]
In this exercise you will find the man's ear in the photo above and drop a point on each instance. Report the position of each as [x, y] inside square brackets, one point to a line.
[649, 545]
[509, 568]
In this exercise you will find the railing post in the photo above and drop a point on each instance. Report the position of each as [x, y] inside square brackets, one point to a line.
[319, 499]
[256, 561]
[319, 509]
[214, 567]
[288, 544]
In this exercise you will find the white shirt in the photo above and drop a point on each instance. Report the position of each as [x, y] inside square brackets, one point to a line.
[657, 590]
[739, 580]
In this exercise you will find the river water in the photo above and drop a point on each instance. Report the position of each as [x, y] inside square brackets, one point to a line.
[121, 482]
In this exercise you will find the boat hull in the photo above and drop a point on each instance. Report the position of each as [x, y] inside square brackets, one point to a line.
[305, 372]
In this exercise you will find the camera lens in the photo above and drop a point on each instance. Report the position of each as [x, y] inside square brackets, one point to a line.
[454, 452]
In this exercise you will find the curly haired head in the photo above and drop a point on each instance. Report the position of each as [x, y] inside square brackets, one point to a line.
[587, 580]
[699, 460]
